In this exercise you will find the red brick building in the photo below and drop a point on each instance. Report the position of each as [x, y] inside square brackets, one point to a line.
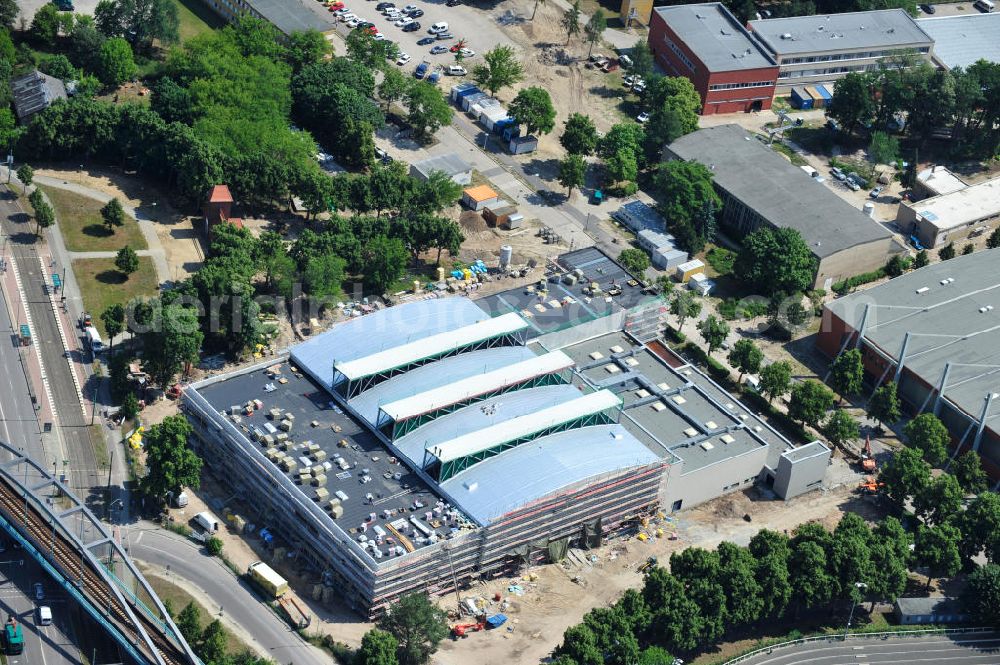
[706, 44]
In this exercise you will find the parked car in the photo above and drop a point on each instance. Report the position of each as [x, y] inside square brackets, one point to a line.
[851, 185]
[625, 61]
[420, 71]
[838, 174]
[875, 193]
[438, 28]
[344, 18]
[353, 23]
[435, 76]
[403, 21]
[415, 13]
[403, 59]
[642, 117]
[444, 35]
[382, 5]
[928, 9]
[39, 591]
[639, 88]
[378, 36]
[411, 27]
[467, 52]
[366, 25]
[453, 3]
[409, 8]
[456, 70]
[440, 48]
[424, 41]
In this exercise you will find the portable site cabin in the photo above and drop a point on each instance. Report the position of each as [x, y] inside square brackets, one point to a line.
[522, 145]
[801, 99]
[821, 96]
[499, 213]
[477, 198]
[491, 116]
[686, 270]
[468, 101]
[462, 90]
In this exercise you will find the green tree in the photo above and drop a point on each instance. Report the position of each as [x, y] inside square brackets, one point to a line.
[940, 500]
[307, 47]
[884, 406]
[968, 470]
[377, 648]
[653, 655]
[896, 266]
[85, 44]
[116, 62]
[214, 546]
[928, 434]
[113, 318]
[676, 619]
[8, 13]
[571, 20]
[170, 464]
[921, 259]
[126, 260]
[841, 427]
[809, 402]
[642, 59]
[572, 173]
[980, 526]
[113, 215]
[45, 26]
[213, 643]
[775, 260]
[936, 549]
[746, 357]
[947, 252]
[981, 595]
[744, 595]
[684, 189]
[173, 341]
[622, 167]
[771, 551]
[668, 122]
[853, 103]
[323, 276]
[968, 248]
[883, 149]
[499, 69]
[139, 21]
[385, 262]
[393, 87]
[595, 28]
[189, 622]
[580, 136]
[906, 475]
[44, 215]
[532, 107]
[807, 573]
[634, 260]
[363, 48]
[428, 109]
[684, 305]
[994, 240]
[418, 625]
[714, 331]
[26, 175]
[699, 570]
[60, 67]
[579, 647]
[847, 373]
[776, 379]
[130, 407]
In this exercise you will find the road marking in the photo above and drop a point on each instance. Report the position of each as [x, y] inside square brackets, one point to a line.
[35, 346]
[62, 334]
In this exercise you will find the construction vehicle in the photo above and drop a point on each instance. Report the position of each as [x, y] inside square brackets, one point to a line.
[174, 391]
[870, 486]
[273, 584]
[867, 461]
[646, 565]
[463, 629]
[13, 638]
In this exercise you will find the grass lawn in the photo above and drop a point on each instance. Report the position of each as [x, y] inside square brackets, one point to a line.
[179, 599]
[102, 284]
[82, 228]
[196, 19]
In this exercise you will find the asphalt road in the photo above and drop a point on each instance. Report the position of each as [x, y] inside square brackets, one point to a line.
[271, 636]
[976, 649]
[84, 475]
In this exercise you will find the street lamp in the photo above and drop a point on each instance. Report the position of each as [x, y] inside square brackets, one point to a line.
[854, 603]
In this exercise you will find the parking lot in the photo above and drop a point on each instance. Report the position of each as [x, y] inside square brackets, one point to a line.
[948, 9]
[477, 27]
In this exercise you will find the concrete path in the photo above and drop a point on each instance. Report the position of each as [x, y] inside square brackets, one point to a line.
[155, 250]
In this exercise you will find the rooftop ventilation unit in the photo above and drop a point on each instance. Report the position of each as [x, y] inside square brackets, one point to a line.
[786, 35]
[987, 308]
[923, 289]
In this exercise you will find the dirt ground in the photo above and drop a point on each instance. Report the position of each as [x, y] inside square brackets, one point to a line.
[179, 237]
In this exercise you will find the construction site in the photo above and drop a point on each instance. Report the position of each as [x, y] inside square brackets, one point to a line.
[447, 441]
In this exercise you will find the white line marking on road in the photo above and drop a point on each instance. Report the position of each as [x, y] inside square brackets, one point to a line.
[62, 334]
[36, 349]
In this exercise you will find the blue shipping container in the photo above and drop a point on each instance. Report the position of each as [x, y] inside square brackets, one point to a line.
[801, 99]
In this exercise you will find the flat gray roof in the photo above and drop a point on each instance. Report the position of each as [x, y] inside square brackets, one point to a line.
[888, 28]
[392, 484]
[960, 41]
[956, 322]
[693, 410]
[932, 605]
[451, 164]
[290, 16]
[565, 305]
[715, 37]
[777, 190]
[805, 452]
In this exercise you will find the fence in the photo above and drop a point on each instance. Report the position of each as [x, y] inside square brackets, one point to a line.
[868, 636]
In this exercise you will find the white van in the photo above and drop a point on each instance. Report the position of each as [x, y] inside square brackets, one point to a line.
[456, 70]
[438, 27]
[206, 521]
[985, 5]
[94, 340]
[44, 616]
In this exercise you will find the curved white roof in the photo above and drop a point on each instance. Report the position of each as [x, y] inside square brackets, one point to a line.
[381, 330]
[435, 375]
[426, 347]
[471, 386]
[548, 464]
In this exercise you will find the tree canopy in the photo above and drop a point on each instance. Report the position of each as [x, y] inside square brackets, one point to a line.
[417, 625]
[809, 402]
[532, 107]
[170, 464]
[775, 261]
[499, 69]
[929, 435]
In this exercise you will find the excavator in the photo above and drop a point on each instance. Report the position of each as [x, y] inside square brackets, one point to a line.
[463, 629]
[867, 461]
[870, 486]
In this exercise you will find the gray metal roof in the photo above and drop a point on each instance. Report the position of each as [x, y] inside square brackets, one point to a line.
[35, 92]
[777, 190]
[805, 452]
[450, 164]
[850, 31]
[936, 605]
[543, 466]
[960, 41]
[434, 375]
[290, 16]
[944, 321]
[381, 330]
[715, 37]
